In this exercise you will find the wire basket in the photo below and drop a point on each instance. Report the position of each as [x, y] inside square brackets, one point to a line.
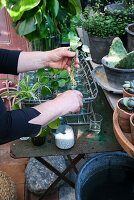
[85, 84]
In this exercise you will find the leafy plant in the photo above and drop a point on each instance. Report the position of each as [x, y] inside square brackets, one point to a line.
[129, 86]
[36, 19]
[52, 80]
[118, 56]
[28, 92]
[128, 102]
[102, 25]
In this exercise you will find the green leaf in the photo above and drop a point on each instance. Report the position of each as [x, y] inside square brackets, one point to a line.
[64, 74]
[54, 7]
[45, 132]
[2, 3]
[40, 73]
[61, 82]
[26, 27]
[44, 80]
[45, 91]
[51, 72]
[74, 7]
[15, 107]
[54, 85]
[55, 124]
[17, 10]
[85, 48]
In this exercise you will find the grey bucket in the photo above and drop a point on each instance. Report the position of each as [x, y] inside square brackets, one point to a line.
[116, 76]
[116, 183]
[99, 47]
[130, 37]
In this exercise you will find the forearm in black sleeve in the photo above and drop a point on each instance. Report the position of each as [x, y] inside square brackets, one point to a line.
[14, 124]
[9, 61]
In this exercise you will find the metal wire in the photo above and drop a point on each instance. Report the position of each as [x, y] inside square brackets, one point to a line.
[86, 85]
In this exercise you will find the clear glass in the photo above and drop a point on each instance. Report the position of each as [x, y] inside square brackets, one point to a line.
[95, 121]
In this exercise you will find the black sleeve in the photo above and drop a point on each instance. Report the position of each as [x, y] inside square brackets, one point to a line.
[14, 124]
[9, 61]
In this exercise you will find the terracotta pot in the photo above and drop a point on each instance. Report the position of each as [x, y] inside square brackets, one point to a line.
[123, 118]
[127, 94]
[132, 127]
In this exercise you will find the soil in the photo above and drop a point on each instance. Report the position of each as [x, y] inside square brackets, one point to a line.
[129, 91]
[131, 28]
[125, 109]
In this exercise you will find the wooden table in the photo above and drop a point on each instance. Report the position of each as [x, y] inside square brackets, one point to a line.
[85, 143]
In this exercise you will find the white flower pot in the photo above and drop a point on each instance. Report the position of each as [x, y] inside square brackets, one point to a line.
[64, 137]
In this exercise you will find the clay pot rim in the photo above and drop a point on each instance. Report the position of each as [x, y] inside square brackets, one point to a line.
[128, 92]
[122, 109]
[131, 119]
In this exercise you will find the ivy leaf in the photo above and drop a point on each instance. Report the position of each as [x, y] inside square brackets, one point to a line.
[45, 91]
[55, 124]
[85, 48]
[61, 82]
[26, 27]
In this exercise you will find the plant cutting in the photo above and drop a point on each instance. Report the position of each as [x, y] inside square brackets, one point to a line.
[128, 89]
[101, 29]
[125, 108]
[74, 45]
[118, 64]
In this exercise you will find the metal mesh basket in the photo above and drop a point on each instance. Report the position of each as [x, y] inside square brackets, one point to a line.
[85, 84]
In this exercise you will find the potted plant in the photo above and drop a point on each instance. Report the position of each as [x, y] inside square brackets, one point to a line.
[128, 89]
[125, 108]
[130, 37]
[26, 94]
[132, 127]
[118, 64]
[101, 29]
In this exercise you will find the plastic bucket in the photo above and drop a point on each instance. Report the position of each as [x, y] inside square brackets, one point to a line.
[108, 176]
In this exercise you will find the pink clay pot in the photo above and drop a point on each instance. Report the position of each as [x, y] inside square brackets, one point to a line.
[132, 127]
[127, 94]
[124, 118]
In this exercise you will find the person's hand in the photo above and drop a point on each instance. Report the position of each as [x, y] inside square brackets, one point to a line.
[61, 58]
[70, 101]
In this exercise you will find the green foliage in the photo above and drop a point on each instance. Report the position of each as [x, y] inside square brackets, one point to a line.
[116, 52]
[128, 102]
[26, 91]
[102, 25]
[127, 62]
[55, 124]
[129, 86]
[36, 19]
